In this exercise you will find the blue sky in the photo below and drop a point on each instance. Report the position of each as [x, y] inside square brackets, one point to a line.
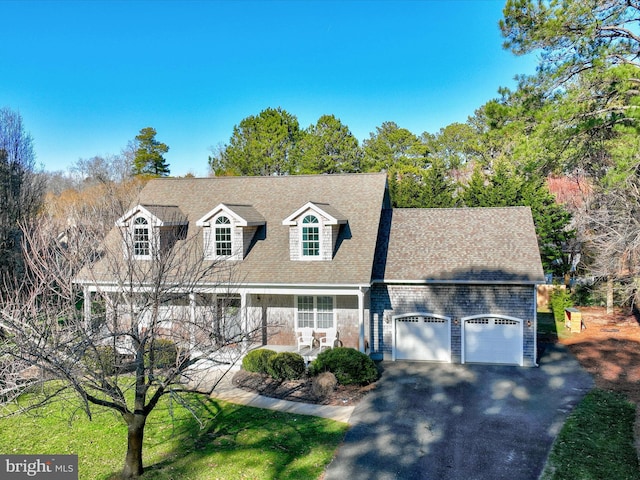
[86, 76]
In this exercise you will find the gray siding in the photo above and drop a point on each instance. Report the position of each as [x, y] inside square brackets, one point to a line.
[455, 301]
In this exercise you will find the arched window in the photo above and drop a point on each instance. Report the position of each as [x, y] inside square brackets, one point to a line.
[141, 238]
[310, 237]
[223, 236]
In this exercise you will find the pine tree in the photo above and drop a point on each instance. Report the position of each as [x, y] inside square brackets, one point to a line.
[149, 158]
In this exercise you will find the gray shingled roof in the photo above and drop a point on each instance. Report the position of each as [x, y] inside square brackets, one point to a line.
[247, 213]
[465, 244]
[170, 214]
[357, 197]
[331, 210]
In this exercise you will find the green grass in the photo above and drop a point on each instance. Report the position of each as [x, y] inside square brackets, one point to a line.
[548, 325]
[232, 442]
[596, 442]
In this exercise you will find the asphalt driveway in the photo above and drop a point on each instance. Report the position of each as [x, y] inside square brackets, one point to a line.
[442, 421]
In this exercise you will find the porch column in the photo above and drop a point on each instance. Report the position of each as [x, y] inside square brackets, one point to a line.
[244, 321]
[86, 293]
[192, 320]
[361, 343]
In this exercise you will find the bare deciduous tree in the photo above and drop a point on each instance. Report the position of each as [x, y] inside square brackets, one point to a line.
[102, 169]
[610, 229]
[118, 331]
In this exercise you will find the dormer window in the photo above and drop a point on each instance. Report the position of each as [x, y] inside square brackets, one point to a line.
[141, 238]
[310, 236]
[223, 237]
[314, 230]
[151, 230]
[229, 230]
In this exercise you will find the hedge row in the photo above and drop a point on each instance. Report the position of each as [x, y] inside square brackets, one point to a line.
[347, 364]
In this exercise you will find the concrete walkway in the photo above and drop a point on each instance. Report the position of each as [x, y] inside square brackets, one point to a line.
[460, 422]
[227, 392]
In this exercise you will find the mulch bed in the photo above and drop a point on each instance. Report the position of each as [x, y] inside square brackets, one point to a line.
[299, 390]
[609, 349]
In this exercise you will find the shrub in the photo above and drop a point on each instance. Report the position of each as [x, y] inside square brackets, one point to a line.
[287, 366]
[324, 384]
[257, 360]
[559, 300]
[165, 353]
[588, 295]
[348, 365]
[103, 358]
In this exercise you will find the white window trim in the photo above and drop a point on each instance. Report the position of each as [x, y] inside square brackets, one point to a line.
[315, 312]
[214, 228]
[210, 246]
[320, 226]
[151, 238]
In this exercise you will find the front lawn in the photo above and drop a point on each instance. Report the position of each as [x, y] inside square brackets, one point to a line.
[596, 442]
[232, 442]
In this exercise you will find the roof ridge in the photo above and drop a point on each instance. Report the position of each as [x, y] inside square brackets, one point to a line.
[449, 209]
[273, 177]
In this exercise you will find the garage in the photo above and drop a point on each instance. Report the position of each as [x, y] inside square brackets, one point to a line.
[425, 337]
[492, 339]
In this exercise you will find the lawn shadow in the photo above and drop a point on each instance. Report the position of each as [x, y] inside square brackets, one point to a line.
[232, 439]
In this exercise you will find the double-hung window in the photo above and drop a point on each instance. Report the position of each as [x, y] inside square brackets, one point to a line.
[310, 236]
[141, 237]
[315, 312]
[223, 236]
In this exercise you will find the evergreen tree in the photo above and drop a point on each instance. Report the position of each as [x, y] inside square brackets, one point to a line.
[413, 187]
[21, 191]
[328, 147]
[260, 145]
[149, 159]
[392, 146]
[506, 187]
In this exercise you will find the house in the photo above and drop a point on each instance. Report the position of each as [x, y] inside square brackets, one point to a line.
[328, 251]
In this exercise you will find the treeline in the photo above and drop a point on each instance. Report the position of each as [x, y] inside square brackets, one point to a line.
[575, 124]
[462, 165]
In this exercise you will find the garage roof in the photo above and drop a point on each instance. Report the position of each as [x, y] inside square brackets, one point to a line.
[484, 245]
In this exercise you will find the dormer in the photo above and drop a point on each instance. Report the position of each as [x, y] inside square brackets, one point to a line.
[229, 230]
[150, 229]
[313, 231]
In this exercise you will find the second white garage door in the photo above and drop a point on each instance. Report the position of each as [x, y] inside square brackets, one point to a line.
[422, 337]
[489, 339]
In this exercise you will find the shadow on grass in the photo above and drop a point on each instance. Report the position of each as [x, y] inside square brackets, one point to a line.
[227, 440]
[547, 325]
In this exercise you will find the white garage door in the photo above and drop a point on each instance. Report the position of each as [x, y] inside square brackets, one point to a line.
[488, 339]
[422, 337]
